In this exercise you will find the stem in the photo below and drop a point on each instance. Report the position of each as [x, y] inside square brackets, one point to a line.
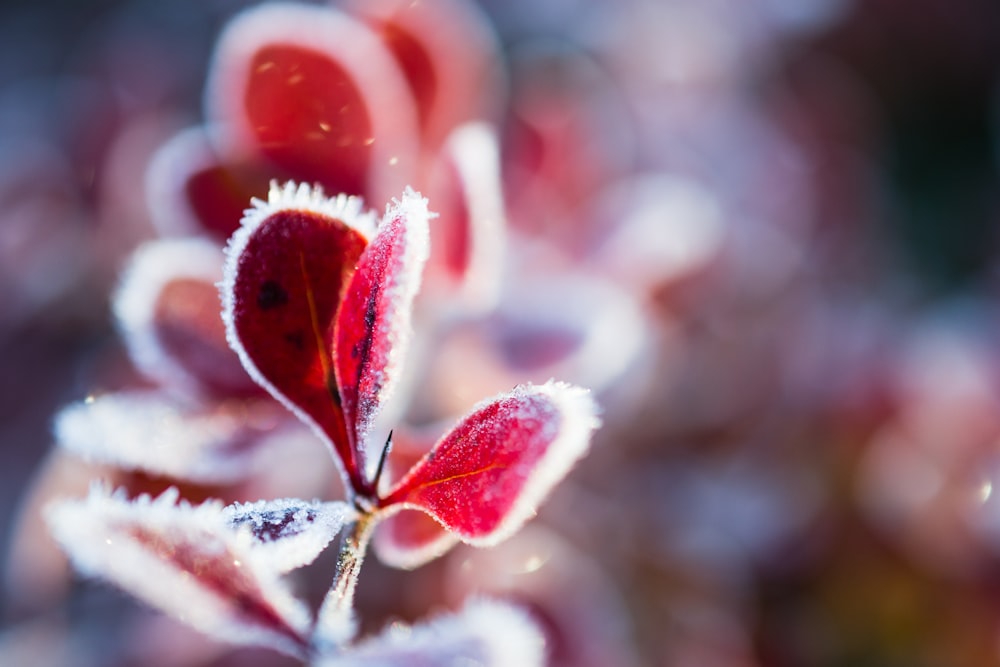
[335, 623]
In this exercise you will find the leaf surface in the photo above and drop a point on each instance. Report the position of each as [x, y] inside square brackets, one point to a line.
[316, 94]
[374, 323]
[150, 432]
[286, 269]
[487, 476]
[167, 308]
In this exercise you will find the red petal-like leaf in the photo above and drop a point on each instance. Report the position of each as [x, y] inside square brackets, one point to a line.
[487, 476]
[285, 272]
[449, 55]
[186, 561]
[469, 241]
[317, 94]
[192, 190]
[373, 326]
[168, 310]
[409, 539]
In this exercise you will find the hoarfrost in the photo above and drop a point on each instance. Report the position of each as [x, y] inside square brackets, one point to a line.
[184, 560]
[554, 422]
[381, 292]
[144, 430]
[152, 267]
[289, 533]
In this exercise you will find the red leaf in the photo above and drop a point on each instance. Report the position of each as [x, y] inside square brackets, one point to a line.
[373, 326]
[286, 269]
[448, 54]
[317, 94]
[186, 561]
[486, 477]
[469, 238]
[193, 190]
[168, 308]
[409, 539]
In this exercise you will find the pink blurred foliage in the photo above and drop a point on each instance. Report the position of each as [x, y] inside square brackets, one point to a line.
[689, 207]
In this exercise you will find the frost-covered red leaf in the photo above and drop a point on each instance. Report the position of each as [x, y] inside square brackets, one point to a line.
[286, 269]
[192, 189]
[289, 533]
[487, 476]
[448, 54]
[167, 308]
[184, 560]
[484, 632]
[409, 539]
[315, 93]
[469, 238]
[147, 431]
[373, 326]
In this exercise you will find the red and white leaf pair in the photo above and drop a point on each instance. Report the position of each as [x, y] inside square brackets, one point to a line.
[319, 312]
[317, 306]
[217, 569]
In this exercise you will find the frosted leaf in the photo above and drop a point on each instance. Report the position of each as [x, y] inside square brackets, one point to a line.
[147, 431]
[488, 475]
[484, 633]
[167, 176]
[184, 560]
[166, 308]
[289, 533]
[373, 327]
[317, 94]
[285, 271]
[409, 539]
[449, 53]
[471, 235]
[191, 190]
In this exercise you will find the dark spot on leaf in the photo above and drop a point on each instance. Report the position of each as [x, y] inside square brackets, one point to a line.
[272, 526]
[271, 295]
[296, 339]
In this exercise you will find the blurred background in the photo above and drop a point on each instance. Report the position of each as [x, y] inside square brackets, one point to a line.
[794, 209]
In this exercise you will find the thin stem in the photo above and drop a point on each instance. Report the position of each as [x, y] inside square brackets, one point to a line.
[335, 623]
